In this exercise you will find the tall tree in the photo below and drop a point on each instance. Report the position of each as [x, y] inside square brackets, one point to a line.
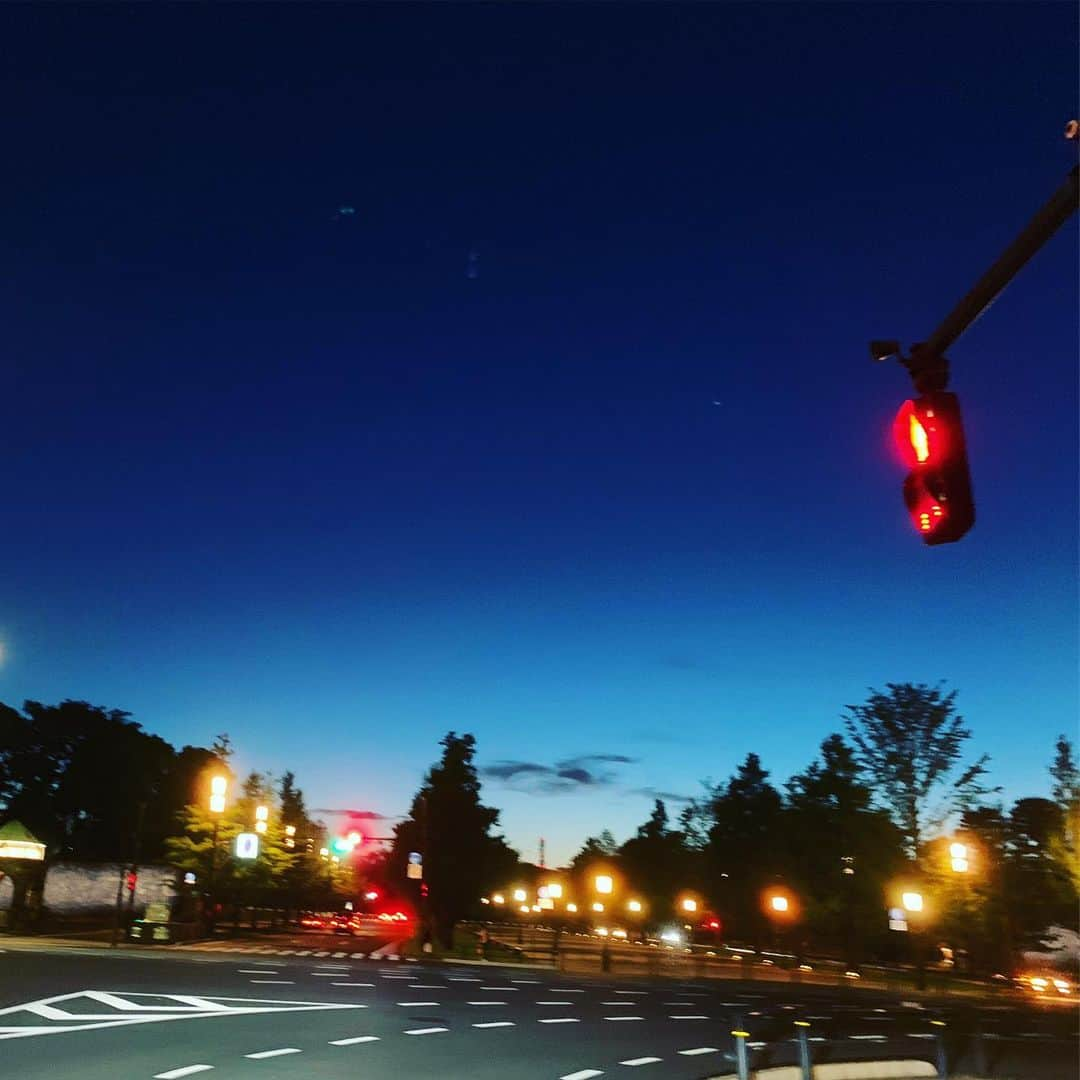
[1066, 776]
[909, 741]
[453, 830]
[656, 863]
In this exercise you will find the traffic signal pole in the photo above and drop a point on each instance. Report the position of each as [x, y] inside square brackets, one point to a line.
[927, 363]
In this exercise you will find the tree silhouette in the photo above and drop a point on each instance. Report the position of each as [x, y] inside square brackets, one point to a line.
[452, 829]
[908, 742]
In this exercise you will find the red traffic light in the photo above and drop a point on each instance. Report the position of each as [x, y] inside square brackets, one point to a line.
[131, 880]
[929, 435]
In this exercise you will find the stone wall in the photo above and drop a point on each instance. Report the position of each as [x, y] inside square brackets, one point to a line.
[74, 889]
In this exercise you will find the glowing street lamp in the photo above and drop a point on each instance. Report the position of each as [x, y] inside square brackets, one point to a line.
[261, 815]
[912, 901]
[520, 895]
[958, 857]
[603, 884]
[553, 890]
[572, 908]
[218, 786]
[597, 906]
[634, 906]
[688, 904]
[779, 904]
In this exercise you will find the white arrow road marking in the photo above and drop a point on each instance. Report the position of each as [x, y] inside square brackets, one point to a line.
[125, 1011]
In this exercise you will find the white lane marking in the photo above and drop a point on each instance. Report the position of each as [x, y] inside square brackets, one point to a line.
[370, 986]
[186, 1070]
[676, 1004]
[868, 1038]
[931, 1035]
[819, 1018]
[327, 974]
[629, 1004]
[409, 978]
[554, 1003]
[687, 1016]
[485, 1002]
[422, 986]
[256, 971]
[694, 1051]
[271, 982]
[583, 1074]
[624, 1017]
[564, 990]
[526, 982]
[495, 1023]
[462, 978]
[417, 1004]
[632, 1062]
[817, 1038]
[501, 989]
[274, 1053]
[755, 1045]
[425, 1031]
[353, 1041]
[633, 993]
[560, 1020]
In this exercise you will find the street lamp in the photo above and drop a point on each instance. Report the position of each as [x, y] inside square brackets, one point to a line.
[912, 901]
[634, 906]
[779, 904]
[597, 906]
[218, 785]
[261, 814]
[958, 856]
[520, 895]
[688, 904]
[572, 908]
[603, 884]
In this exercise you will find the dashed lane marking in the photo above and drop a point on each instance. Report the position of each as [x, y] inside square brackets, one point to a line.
[633, 1062]
[185, 1070]
[583, 1074]
[565, 990]
[370, 986]
[410, 978]
[425, 1031]
[274, 1053]
[633, 993]
[560, 1020]
[687, 1016]
[868, 1038]
[624, 1017]
[417, 1004]
[526, 982]
[756, 1045]
[272, 982]
[256, 971]
[495, 1024]
[429, 986]
[485, 1002]
[695, 1051]
[462, 978]
[554, 1003]
[354, 1040]
[501, 989]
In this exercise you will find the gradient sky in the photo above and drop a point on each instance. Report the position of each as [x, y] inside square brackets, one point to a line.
[567, 436]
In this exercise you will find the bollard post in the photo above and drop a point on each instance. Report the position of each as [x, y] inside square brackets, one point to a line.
[942, 1062]
[742, 1063]
[802, 1032]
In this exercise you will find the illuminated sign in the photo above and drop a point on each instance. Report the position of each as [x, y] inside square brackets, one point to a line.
[22, 849]
[247, 845]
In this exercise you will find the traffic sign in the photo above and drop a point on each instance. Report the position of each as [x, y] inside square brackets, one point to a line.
[247, 845]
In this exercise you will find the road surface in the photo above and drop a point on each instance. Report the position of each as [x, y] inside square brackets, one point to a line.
[244, 1013]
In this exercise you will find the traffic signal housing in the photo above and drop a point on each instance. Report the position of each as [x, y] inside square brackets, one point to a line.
[929, 434]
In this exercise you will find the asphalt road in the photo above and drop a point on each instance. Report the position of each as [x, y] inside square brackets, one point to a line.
[259, 1015]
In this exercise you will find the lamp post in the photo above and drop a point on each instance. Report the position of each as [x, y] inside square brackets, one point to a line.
[218, 787]
[912, 901]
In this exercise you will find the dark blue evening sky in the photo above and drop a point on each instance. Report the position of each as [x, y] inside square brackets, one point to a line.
[567, 435]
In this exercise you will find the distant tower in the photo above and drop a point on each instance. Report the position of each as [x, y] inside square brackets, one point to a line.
[542, 864]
